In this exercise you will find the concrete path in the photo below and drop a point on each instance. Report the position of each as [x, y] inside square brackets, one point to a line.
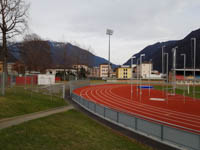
[4, 123]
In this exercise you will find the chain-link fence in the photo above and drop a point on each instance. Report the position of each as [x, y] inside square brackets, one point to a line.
[29, 84]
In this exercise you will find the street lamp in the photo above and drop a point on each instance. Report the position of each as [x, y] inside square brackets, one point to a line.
[184, 56]
[109, 32]
[150, 68]
[167, 73]
[132, 75]
[137, 73]
[174, 68]
[142, 55]
[184, 63]
[194, 39]
[163, 64]
[163, 59]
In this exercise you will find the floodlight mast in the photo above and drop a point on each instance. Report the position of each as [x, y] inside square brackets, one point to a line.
[109, 32]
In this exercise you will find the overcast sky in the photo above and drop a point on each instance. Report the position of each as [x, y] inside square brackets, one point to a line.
[136, 23]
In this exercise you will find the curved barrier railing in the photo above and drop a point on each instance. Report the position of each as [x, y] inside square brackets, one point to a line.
[166, 134]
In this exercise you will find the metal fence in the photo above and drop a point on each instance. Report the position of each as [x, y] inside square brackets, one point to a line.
[166, 134]
[54, 90]
[29, 83]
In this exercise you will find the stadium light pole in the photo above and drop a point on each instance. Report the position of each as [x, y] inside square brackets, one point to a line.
[142, 55]
[194, 39]
[132, 75]
[109, 32]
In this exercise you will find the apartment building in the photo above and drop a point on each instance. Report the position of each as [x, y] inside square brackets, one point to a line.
[124, 72]
[103, 70]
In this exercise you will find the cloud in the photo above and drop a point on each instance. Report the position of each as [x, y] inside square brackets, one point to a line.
[135, 23]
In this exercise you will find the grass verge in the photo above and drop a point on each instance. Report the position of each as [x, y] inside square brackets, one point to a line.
[71, 130]
[180, 90]
[19, 101]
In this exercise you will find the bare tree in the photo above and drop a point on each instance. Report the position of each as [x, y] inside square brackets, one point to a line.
[35, 53]
[13, 16]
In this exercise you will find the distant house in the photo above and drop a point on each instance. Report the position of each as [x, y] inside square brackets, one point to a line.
[56, 70]
[124, 72]
[94, 72]
[143, 70]
[78, 67]
[10, 66]
[103, 70]
[11, 60]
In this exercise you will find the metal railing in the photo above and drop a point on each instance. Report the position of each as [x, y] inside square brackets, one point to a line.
[164, 133]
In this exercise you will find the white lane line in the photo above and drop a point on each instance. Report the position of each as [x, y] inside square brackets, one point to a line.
[152, 111]
[157, 108]
[157, 99]
[103, 88]
[175, 115]
[110, 103]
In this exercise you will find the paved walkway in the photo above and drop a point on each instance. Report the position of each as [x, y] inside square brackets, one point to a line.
[4, 123]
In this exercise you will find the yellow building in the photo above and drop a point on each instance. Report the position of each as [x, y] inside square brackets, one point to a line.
[124, 72]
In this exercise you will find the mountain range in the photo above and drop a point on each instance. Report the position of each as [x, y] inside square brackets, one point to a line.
[61, 52]
[185, 46]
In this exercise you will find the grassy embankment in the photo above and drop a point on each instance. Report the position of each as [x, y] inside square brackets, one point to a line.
[71, 130]
[19, 101]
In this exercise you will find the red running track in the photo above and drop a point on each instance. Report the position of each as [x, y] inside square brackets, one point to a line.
[173, 111]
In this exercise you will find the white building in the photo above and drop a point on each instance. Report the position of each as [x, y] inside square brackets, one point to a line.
[78, 67]
[53, 71]
[94, 72]
[144, 70]
[103, 70]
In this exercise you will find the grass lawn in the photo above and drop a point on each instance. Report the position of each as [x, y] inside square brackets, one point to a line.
[19, 101]
[180, 90]
[97, 82]
[70, 130]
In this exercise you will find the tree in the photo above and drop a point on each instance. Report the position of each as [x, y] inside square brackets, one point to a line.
[35, 53]
[13, 20]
